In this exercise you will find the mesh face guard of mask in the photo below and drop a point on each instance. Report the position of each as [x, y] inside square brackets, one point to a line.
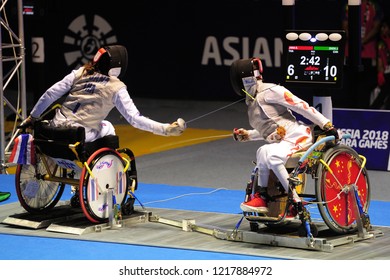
[244, 74]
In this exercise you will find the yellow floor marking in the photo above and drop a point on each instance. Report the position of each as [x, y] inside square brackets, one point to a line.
[142, 143]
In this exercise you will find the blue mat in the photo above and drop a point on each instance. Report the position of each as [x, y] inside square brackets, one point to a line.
[16, 247]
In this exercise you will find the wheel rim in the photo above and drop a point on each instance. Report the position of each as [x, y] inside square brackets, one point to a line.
[35, 194]
[340, 204]
[107, 169]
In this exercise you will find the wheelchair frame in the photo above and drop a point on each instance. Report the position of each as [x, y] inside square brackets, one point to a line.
[342, 190]
[103, 177]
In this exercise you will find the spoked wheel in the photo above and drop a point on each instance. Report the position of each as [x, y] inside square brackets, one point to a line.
[35, 194]
[334, 188]
[105, 174]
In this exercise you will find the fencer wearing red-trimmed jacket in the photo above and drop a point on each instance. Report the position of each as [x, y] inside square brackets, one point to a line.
[270, 115]
[93, 91]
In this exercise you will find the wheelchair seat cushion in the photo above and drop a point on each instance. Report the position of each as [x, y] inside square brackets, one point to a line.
[110, 141]
[54, 141]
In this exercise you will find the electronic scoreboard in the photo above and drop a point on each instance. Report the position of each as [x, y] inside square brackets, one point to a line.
[314, 58]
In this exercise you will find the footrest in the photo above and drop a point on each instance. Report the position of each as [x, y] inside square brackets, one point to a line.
[262, 217]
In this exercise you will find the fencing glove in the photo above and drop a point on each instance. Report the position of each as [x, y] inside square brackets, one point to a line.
[176, 128]
[240, 134]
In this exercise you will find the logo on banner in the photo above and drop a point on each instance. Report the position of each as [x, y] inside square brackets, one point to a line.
[83, 39]
[367, 138]
[369, 132]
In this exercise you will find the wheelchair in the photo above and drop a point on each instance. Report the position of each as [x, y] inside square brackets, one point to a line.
[102, 176]
[341, 190]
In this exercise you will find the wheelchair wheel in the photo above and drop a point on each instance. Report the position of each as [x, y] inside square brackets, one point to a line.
[336, 206]
[35, 194]
[106, 172]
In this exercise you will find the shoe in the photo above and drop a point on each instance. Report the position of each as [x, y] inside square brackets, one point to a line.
[4, 196]
[291, 214]
[256, 204]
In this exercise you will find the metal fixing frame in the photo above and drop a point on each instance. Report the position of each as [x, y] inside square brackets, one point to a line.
[12, 55]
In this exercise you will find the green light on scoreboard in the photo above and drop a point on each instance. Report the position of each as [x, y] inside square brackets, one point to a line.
[326, 48]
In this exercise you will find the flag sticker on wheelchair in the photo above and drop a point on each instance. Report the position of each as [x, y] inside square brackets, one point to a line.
[22, 150]
[120, 180]
[93, 192]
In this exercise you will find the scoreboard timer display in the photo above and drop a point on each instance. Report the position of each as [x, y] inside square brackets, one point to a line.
[314, 58]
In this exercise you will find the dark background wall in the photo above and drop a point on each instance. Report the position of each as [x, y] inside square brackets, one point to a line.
[177, 49]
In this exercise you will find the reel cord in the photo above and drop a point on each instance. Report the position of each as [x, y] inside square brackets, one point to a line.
[180, 196]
